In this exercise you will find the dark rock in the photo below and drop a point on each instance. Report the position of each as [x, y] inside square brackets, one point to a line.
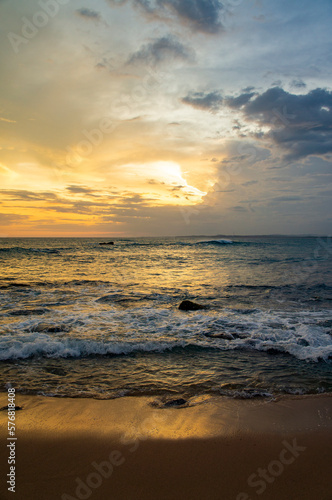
[175, 402]
[187, 305]
[107, 243]
[49, 328]
[273, 351]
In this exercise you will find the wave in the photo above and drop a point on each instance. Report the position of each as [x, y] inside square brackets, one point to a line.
[302, 287]
[23, 250]
[14, 285]
[47, 346]
[11, 283]
[37, 311]
[216, 242]
[179, 243]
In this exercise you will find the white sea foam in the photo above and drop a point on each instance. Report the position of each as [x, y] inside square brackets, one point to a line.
[46, 346]
[216, 242]
[158, 330]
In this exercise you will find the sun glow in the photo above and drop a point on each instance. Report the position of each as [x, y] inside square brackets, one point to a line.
[165, 179]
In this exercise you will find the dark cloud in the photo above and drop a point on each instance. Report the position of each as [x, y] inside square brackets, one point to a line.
[98, 206]
[22, 195]
[200, 100]
[241, 100]
[161, 50]
[8, 219]
[239, 208]
[299, 84]
[154, 182]
[79, 189]
[88, 14]
[200, 15]
[249, 183]
[286, 198]
[300, 124]
[248, 89]
[79, 207]
[304, 110]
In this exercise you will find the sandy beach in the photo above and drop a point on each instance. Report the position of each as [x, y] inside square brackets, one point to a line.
[165, 250]
[126, 449]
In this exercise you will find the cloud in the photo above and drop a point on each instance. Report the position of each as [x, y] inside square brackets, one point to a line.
[239, 208]
[241, 100]
[7, 120]
[122, 202]
[249, 183]
[200, 15]
[300, 124]
[306, 108]
[8, 219]
[79, 189]
[200, 100]
[88, 14]
[286, 198]
[161, 50]
[23, 195]
[299, 84]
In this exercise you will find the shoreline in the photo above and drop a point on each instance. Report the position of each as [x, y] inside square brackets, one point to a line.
[126, 449]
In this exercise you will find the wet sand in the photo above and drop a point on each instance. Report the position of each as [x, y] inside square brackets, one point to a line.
[126, 449]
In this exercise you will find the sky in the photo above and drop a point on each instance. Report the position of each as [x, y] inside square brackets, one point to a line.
[165, 117]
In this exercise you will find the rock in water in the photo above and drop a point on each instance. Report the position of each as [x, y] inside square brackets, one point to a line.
[165, 402]
[187, 305]
[107, 243]
[175, 403]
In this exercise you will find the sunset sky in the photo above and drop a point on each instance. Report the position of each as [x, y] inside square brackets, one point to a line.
[165, 117]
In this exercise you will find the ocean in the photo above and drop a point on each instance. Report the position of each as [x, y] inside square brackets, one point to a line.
[80, 319]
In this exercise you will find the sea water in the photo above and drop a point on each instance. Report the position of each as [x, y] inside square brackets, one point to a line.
[81, 319]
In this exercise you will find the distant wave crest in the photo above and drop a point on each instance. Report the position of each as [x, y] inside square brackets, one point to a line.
[22, 250]
[215, 242]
